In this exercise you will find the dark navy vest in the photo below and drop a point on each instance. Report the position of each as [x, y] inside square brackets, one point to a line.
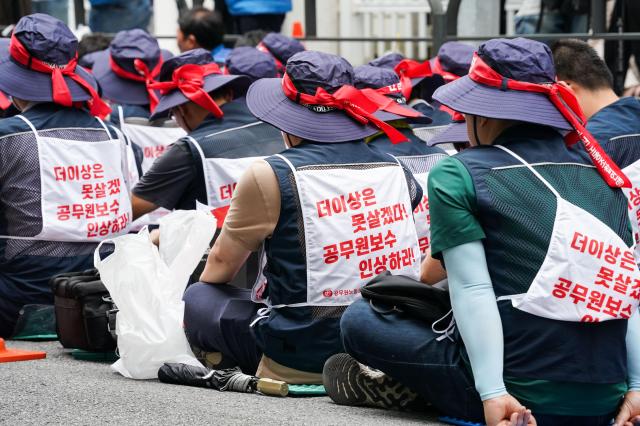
[517, 213]
[301, 337]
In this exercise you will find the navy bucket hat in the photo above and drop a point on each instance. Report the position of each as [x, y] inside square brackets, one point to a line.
[211, 79]
[280, 47]
[41, 48]
[133, 58]
[519, 59]
[250, 62]
[386, 82]
[453, 60]
[390, 60]
[306, 73]
[456, 132]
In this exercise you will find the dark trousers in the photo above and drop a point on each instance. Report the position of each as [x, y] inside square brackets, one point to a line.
[407, 350]
[217, 319]
[9, 313]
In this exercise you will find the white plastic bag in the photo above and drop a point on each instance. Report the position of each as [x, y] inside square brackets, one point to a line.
[147, 286]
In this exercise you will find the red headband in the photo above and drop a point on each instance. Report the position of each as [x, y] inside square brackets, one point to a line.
[59, 88]
[144, 75]
[563, 98]
[408, 69]
[446, 75]
[457, 117]
[189, 79]
[348, 99]
[5, 103]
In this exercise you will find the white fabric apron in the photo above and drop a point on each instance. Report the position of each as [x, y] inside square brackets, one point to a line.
[355, 228]
[153, 141]
[84, 190]
[221, 175]
[589, 274]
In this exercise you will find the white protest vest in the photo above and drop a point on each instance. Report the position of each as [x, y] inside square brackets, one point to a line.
[633, 197]
[588, 275]
[152, 139]
[221, 175]
[84, 190]
[357, 224]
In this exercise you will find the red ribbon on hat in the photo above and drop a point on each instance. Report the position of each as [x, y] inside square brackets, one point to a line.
[408, 69]
[385, 103]
[348, 99]
[189, 79]
[144, 75]
[446, 75]
[59, 88]
[279, 65]
[563, 98]
[4, 101]
[457, 117]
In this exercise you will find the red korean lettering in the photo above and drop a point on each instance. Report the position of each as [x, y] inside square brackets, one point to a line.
[622, 284]
[634, 196]
[98, 171]
[380, 264]
[324, 208]
[408, 257]
[346, 249]
[626, 312]
[390, 239]
[596, 300]
[114, 207]
[369, 197]
[595, 248]
[92, 230]
[148, 152]
[60, 174]
[424, 244]
[114, 186]
[354, 201]
[561, 288]
[358, 223]
[104, 228]
[376, 242]
[100, 190]
[330, 254]
[226, 191]
[85, 172]
[77, 211]
[64, 213]
[604, 277]
[373, 219]
[365, 267]
[394, 261]
[399, 212]
[102, 209]
[90, 211]
[387, 215]
[611, 254]
[362, 246]
[628, 262]
[87, 191]
[579, 293]
[579, 242]
[612, 307]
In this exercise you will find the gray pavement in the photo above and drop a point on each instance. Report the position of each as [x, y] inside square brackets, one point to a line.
[62, 390]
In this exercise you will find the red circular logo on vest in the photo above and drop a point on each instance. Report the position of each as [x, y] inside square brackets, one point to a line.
[327, 293]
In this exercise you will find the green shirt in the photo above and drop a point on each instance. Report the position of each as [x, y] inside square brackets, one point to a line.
[453, 210]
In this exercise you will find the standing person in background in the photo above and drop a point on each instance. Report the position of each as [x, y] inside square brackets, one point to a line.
[112, 16]
[625, 17]
[553, 16]
[202, 28]
[55, 8]
[267, 15]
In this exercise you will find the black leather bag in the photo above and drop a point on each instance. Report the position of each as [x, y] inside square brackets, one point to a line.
[81, 305]
[396, 293]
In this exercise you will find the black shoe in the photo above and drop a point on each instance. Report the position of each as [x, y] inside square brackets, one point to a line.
[348, 382]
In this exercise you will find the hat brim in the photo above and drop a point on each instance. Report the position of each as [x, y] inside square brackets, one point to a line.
[239, 84]
[468, 97]
[23, 83]
[267, 102]
[453, 133]
[115, 88]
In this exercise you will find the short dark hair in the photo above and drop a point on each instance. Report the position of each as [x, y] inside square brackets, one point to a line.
[576, 61]
[92, 43]
[205, 25]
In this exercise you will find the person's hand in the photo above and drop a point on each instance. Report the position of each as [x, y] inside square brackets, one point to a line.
[629, 414]
[632, 91]
[505, 410]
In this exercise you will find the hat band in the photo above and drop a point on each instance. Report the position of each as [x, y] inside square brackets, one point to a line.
[437, 69]
[144, 75]
[564, 100]
[348, 99]
[279, 65]
[60, 90]
[408, 69]
[189, 79]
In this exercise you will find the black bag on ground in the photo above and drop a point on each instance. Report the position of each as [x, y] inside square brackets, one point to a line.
[81, 306]
[396, 293]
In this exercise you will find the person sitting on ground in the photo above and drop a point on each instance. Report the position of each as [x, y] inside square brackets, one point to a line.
[223, 137]
[414, 154]
[325, 224]
[62, 186]
[513, 218]
[202, 28]
[613, 121]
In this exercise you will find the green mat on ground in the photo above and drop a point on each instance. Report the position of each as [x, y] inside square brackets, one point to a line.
[94, 356]
[307, 390]
[36, 322]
